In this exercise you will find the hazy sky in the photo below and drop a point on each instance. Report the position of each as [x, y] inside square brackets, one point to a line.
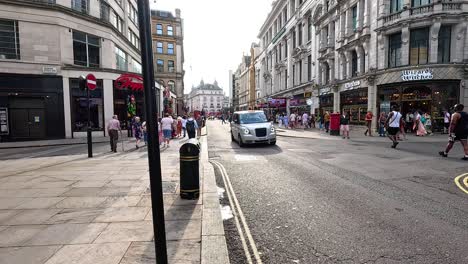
[217, 33]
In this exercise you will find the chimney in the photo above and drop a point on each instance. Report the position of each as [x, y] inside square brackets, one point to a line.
[177, 11]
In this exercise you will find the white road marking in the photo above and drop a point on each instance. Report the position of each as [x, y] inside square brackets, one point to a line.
[230, 191]
[245, 157]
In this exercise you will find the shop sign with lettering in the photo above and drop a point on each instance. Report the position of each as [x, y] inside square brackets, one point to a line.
[352, 85]
[417, 75]
[324, 91]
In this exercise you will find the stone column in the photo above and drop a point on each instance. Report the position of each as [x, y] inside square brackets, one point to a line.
[349, 70]
[405, 45]
[290, 61]
[459, 31]
[347, 17]
[366, 13]
[331, 65]
[108, 101]
[336, 101]
[361, 60]
[67, 107]
[365, 52]
[359, 15]
[434, 41]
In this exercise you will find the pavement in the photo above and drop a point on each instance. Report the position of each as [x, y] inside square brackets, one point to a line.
[65, 208]
[330, 200]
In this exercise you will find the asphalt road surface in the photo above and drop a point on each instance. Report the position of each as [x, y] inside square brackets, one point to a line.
[328, 201]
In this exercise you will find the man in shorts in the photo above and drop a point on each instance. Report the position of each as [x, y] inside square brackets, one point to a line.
[393, 125]
[458, 131]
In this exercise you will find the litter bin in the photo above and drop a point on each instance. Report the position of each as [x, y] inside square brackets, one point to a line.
[189, 170]
[335, 124]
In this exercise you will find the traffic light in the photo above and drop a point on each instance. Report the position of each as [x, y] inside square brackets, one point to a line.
[82, 83]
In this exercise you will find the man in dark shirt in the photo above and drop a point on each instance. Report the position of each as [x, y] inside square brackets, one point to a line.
[458, 131]
[344, 122]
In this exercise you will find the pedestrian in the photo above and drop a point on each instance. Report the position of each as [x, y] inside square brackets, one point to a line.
[319, 121]
[428, 123]
[223, 120]
[280, 121]
[286, 121]
[382, 121]
[392, 124]
[160, 132]
[145, 132]
[447, 116]
[344, 125]
[305, 120]
[458, 131]
[184, 125]
[179, 126]
[312, 121]
[191, 126]
[199, 126]
[292, 119]
[326, 121]
[298, 120]
[137, 131]
[368, 119]
[166, 125]
[418, 125]
[113, 129]
[402, 130]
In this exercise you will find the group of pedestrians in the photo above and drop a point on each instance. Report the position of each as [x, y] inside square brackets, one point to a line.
[169, 127]
[302, 120]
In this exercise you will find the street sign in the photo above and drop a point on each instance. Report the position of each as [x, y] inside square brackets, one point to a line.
[91, 81]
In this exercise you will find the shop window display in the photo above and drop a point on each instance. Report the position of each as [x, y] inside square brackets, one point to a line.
[355, 103]
[79, 106]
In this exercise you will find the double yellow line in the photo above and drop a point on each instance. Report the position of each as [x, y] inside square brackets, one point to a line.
[462, 182]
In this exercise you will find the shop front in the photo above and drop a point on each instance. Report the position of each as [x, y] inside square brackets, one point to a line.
[276, 106]
[128, 99]
[431, 90]
[326, 101]
[354, 100]
[32, 107]
[298, 104]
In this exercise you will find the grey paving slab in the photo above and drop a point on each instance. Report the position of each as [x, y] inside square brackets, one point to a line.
[31, 217]
[15, 185]
[124, 201]
[20, 178]
[116, 191]
[17, 235]
[183, 229]
[78, 192]
[127, 232]
[52, 184]
[75, 215]
[210, 200]
[81, 202]
[122, 214]
[212, 223]
[40, 203]
[126, 176]
[62, 234]
[123, 183]
[184, 212]
[109, 253]
[182, 251]
[214, 250]
[18, 193]
[7, 214]
[50, 192]
[27, 255]
[145, 201]
[84, 184]
[3, 228]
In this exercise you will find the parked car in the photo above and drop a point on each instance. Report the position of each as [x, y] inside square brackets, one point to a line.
[252, 127]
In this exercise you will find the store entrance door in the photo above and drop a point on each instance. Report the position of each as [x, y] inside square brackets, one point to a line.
[27, 118]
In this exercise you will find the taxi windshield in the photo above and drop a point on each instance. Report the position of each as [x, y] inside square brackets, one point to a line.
[253, 118]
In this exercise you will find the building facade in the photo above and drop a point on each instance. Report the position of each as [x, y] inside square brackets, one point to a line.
[46, 45]
[208, 98]
[168, 48]
[244, 83]
[363, 55]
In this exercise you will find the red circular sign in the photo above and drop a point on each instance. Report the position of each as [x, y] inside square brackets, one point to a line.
[91, 81]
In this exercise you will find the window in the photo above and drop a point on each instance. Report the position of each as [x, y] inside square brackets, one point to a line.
[170, 48]
[135, 66]
[170, 30]
[394, 50]
[443, 52]
[300, 71]
[327, 5]
[285, 15]
[395, 6]
[80, 6]
[171, 85]
[134, 39]
[159, 47]
[294, 75]
[416, 3]
[121, 59]
[117, 22]
[159, 29]
[160, 66]
[309, 68]
[9, 40]
[280, 48]
[86, 49]
[354, 11]
[79, 107]
[327, 73]
[419, 46]
[354, 64]
[132, 13]
[105, 11]
[309, 28]
[170, 66]
[293, 35]
[285, 79]
[285, 48]
[300, 34]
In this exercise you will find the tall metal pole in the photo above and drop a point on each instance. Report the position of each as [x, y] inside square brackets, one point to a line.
[154, 155]
[89, 134]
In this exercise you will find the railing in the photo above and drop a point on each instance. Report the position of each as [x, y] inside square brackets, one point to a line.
[451, 6]
[392, 17]
[422, 9]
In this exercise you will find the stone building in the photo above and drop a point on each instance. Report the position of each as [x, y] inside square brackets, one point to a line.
[363, 55]
[244, 83]
[168, 48]
[206, 97]
[46, 45]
